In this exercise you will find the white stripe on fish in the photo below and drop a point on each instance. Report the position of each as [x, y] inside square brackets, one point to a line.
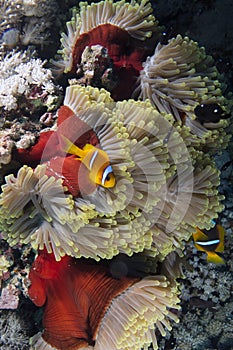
[214, 241]
[93, 158]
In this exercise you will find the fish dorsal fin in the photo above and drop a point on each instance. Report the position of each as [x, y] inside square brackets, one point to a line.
[199, 235]
[70, 147]
[88, 147]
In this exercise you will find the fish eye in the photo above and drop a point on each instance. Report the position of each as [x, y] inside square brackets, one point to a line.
[217, 111]
[107, 176]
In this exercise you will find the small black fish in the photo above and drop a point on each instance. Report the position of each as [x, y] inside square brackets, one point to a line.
[226, 165]
[166, 36]
[210, 113]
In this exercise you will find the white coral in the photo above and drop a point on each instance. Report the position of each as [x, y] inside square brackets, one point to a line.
[19, 73]
[10, 14]
[4, 265]
[13, 332]
[39, 8]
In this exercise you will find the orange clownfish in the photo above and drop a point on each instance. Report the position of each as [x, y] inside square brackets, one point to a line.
[211, 242]
[95, 160]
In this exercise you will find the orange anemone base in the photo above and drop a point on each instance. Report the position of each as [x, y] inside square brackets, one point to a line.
[76, 294]
[49, 150]
[126, 53]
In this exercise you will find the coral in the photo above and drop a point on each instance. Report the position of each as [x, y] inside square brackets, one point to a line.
[13, 333]
[26, 22]
[208, 329]
[26, 89]
[96, 68]
[6, 147]
[39, 17]
[14, 279]
[11, 13]
[15, 136]
[39, 8]
[9, 298]
[20, 75]
[35, 32]
[4, 265]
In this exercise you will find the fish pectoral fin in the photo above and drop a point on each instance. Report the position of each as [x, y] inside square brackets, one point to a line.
[200, 248]
[199, 235]
[214, 258]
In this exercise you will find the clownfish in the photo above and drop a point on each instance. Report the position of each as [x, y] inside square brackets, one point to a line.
[211, 242]
[95, 160]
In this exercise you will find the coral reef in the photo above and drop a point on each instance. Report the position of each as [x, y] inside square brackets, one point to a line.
[11, 13]
[22, 75]
[13, 332]
[26, 22]
[27, 93]
[206, 290]
[206, 320]
[145, 110]
[9, 298]
[4, 265]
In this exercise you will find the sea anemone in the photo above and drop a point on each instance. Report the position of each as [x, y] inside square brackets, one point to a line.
[178, 77]
[85, 306]
[155, 174]
[197, 187]
[116, 30]
[131, 143]
[34, 208]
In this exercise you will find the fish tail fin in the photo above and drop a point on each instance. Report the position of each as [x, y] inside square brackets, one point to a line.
[214, 258]
[221, 231]
[70, 147]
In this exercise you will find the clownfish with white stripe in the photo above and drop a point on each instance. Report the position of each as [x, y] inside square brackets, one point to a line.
[211, 242]
[95, 160]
